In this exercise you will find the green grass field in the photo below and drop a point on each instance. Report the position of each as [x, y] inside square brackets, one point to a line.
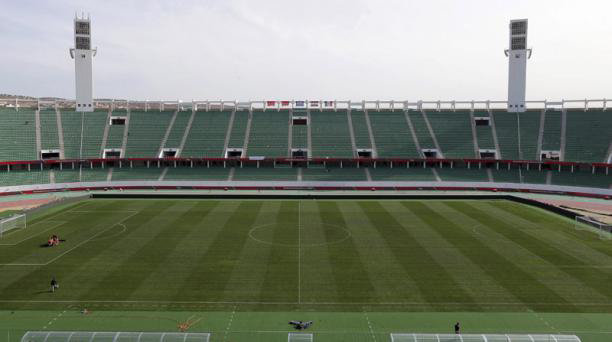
[359, 269]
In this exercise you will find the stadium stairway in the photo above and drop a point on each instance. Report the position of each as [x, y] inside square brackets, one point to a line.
[529, 123]
[583, 136]
[453, 132]
[48, 130]
[506, 129]
[116, 132]
[484, 134]
[551, 139]
[146, 131]
[177, 131]
[392, 135]
[268, 134]
[360, 130]
[421, 130]
[330, 134]
[299, 136]
[238, 132]
[207, 135]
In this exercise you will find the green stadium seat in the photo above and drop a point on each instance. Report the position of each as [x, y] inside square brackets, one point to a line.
[17, 135]
[360, 129]
[197, 173]
[392, 135]
[264, 174]
[412, 174]
[330, 135]
[269, 134]
[207, 135]
[146, 132]
[49, 139]
[588, 135]
[453, 131]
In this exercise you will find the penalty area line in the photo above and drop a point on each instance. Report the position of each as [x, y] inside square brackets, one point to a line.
[229, 324]
[365, 313]
[91, 238]
[120, 222]
[57, 224]
[296, 303]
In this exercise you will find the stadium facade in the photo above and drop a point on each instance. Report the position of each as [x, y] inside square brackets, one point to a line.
[514, 144]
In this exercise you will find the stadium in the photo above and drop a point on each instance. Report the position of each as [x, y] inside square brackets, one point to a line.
[305, 220]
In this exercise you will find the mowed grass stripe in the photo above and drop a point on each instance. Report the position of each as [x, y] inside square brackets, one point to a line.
[563, 284]
[119, 278]
[416, 260]
[391, 281]
[599, 280]
[71, 270]
[516, 280]
[317, 274]
[154, 269]
[557, 231]
[281, 266]
[211, 273]
[353, 283]
[194, 244]
[248, 276]
[467, 274]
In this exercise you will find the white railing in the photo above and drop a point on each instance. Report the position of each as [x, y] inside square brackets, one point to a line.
[583, 104]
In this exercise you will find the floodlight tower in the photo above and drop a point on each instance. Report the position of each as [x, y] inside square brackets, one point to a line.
[517, 65]
[82, 53]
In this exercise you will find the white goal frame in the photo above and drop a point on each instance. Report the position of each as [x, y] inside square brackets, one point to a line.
[13, 222]
[95, 336]
[587, 223]
[403, 337]
[299, 337]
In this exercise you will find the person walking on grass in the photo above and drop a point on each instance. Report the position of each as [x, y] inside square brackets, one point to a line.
[54, 284]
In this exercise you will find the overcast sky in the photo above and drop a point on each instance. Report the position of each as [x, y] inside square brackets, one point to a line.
[310, 49]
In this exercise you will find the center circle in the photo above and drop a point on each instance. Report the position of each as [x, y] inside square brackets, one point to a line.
[306, 235]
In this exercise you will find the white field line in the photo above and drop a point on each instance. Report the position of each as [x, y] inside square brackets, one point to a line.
[550, 326]
[299, 251]
[50, 219]
[75, 247]
[365, 313]
[103, 211]
[386, 332]
[54, 319]
[57, 223]
[229, 324]
[303, 303]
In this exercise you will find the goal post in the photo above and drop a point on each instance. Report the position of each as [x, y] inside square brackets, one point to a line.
[18, 221]
[402, 337]
[603, 230]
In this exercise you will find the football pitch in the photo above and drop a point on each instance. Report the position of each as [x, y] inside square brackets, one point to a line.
[360, 269]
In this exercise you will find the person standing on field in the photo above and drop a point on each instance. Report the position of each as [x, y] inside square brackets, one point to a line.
[457, 328]
[54, 284]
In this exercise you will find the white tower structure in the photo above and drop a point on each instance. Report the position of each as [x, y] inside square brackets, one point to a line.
[517, 65]
[82, 53]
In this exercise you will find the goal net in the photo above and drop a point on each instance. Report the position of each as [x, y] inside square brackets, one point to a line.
[482, 338]
[14, 222]
[603, 230]
[110, 336]
[299, 337]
